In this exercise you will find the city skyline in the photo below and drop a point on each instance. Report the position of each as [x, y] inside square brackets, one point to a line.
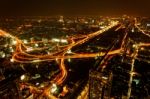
[74, 49]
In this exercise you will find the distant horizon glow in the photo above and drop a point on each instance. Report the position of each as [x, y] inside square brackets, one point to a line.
[74, 7]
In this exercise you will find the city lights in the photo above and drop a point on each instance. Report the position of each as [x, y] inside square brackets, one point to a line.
[22, 77]
[65, 57]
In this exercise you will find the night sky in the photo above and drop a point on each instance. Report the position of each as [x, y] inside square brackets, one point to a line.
[74, 7]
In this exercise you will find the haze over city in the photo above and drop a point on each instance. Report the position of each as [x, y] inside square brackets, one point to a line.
[75, 7]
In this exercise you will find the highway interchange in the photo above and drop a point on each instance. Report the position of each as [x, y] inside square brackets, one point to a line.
[22, 55]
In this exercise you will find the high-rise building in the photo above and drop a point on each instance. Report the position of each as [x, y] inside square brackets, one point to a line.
[99, 85]
[61, 19]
